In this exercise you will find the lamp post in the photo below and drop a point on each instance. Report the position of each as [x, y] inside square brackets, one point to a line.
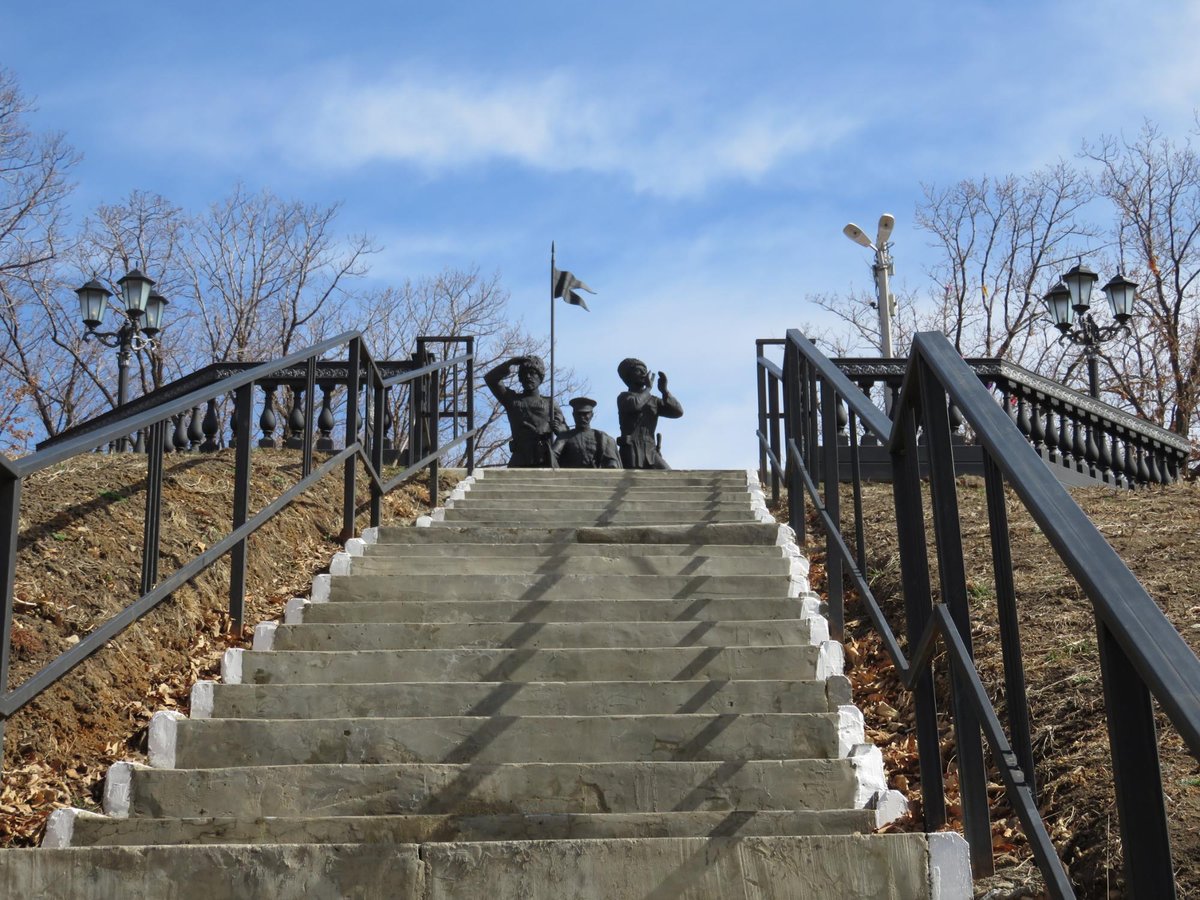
[143, 313]
[1072, 297]
[883, 268]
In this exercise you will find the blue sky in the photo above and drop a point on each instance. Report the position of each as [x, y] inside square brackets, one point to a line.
[695, 161]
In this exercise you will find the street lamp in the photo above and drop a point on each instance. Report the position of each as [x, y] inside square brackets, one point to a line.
[143, 313]
[882, 268]
[1069, 303]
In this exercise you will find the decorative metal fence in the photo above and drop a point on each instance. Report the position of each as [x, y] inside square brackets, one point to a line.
[367, 388]
[1141, 655]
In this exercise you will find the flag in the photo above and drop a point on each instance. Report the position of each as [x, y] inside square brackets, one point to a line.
[563, 284]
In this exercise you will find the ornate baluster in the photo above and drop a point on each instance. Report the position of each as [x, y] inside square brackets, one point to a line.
[843, 418]
[267, 422]
[1172, 460]
[1131, 472]
[1049, 432]
[1104, 445]
[1023, 421]
[1160, 460]
[295, 423]
[139, 443]
[1143, 470]
[195, 433]
[325, 421]
[1037, 425]
[1091, 450]
[210, 426]
[1078, 443]
[180, 439]
[1118, 461]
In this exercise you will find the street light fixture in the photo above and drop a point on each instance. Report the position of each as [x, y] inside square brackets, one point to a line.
[1069, 303]
[883, 268]
[143, 313]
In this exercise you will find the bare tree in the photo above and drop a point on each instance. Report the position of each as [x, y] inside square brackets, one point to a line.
[39, 381]
[1000, 240]
[457, 303]
[1154, 184]
[266, 275]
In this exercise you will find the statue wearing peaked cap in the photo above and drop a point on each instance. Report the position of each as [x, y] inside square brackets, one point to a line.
[584, 447]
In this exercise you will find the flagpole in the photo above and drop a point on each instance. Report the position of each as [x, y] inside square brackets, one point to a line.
[552, 328]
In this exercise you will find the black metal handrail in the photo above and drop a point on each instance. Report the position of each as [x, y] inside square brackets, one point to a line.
[365, 383]
[1142, 655]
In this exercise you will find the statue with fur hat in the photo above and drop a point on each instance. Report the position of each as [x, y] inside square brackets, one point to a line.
[638, 411]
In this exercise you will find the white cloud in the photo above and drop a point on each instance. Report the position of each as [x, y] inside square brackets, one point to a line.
[662, 139]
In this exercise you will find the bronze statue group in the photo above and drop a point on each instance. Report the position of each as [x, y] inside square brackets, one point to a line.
[541, 439]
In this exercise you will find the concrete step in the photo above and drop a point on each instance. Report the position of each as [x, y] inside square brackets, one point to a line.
[556, 587]
[615, 564]
[493, 492]
[525, 665]
[436, 635]
[92, 830]
[722, 610]
[612, 477]
[754, 533]
[832, 867]
[482, 789]
[213, 743]
[509, 550]
[589, 698]
[587, 518]
[695, 509]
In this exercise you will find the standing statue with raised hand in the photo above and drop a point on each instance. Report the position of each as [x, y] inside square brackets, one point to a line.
[535, 420]
[638, 411]
[585, 447]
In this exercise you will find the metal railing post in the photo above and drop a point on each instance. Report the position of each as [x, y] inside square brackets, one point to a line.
[310, 405]
[833, 507]
[762, 406]
[1137, 774]
[918, 608]
[378, 434]
[350, 467]
[434, 431]
[972, 775]
[10, 513]
[793, 425]
[470, 405]
[1015, 696]
[242, 404]
[775, 388]
[153, 522]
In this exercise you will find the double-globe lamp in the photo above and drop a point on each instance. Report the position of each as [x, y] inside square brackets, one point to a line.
[1072, 297]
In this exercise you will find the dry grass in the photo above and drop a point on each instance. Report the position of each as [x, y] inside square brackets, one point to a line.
[1157, 533]
[78, 563]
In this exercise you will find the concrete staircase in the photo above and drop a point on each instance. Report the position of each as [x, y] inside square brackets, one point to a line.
[566, 684]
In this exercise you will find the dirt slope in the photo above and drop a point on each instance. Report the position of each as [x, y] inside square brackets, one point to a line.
[79, 562]
[1157, 533]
